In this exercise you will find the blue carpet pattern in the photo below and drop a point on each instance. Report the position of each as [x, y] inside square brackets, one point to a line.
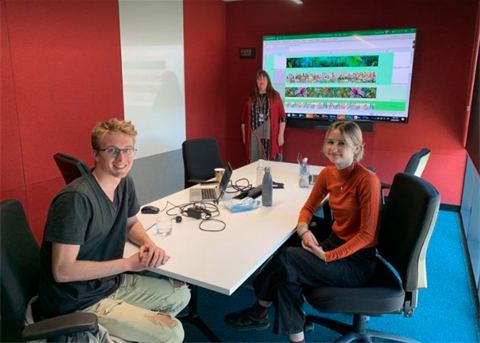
[447, 310]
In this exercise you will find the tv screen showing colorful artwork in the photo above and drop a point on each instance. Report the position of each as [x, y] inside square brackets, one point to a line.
[359, 75]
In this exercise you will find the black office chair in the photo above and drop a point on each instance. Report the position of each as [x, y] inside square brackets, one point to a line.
[200, 157]
[416, 165]
[70, 166]
[20, 266]
[407, 222]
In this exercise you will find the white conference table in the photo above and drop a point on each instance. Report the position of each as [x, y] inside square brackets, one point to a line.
[222, 261]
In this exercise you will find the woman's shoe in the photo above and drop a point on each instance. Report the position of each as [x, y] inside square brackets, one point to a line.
[241, 321]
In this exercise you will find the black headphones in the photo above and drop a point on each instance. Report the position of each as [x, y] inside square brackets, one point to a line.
[178, 219]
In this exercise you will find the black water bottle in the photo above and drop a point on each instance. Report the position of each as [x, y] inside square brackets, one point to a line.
[267, 188]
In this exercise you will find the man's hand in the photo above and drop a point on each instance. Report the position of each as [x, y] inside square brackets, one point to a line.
[135, 263]
[152, 256]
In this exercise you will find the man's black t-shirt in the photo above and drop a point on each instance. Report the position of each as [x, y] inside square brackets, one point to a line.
[82, 214]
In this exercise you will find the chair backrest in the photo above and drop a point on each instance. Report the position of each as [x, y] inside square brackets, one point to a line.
[200, 157]
[417, 163]
[70, 166]
[407, 222]
[20, 266]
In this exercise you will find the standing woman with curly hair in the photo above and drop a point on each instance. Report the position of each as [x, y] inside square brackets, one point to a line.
[263, 121]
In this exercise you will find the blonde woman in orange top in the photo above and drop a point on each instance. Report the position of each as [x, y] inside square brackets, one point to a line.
[341, 253]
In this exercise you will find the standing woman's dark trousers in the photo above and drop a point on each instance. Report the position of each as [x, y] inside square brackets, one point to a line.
[292, 268]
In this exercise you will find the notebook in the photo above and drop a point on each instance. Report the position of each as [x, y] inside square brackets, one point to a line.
[198, 194]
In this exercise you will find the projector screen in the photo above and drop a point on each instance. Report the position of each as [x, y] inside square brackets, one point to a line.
[364, 76]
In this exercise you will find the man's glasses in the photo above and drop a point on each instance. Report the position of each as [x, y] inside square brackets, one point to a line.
[113, 152]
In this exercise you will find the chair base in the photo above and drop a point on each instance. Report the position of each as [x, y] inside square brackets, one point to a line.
[357, 332]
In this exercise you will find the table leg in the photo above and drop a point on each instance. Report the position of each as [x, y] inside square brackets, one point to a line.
[192, 316]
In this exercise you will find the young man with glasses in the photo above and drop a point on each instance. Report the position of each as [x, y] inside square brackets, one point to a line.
[83, 268]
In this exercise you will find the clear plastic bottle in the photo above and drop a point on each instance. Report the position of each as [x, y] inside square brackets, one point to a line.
[267, 188]
[260, 174]
[304, 173]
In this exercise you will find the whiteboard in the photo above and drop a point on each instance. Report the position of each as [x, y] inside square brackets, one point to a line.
[153, 73]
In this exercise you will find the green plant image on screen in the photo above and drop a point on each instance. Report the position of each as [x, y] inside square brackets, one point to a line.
[361, 75]
[332, 62]
[333, 92]
[351, 77]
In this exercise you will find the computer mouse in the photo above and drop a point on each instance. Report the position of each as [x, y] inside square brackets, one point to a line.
[150, 210]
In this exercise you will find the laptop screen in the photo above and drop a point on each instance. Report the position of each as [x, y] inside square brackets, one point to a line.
[226, 178]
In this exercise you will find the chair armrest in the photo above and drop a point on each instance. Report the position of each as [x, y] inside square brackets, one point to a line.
[61, 326]
[386, 185]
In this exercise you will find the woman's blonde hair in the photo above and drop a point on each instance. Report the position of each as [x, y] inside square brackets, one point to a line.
[110, 126]
[351, 130]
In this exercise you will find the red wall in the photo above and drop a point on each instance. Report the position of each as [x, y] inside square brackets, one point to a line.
[205, 70]
[61, 73]
[439, 95]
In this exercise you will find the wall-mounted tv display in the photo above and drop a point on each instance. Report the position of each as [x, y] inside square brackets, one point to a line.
[363, 76]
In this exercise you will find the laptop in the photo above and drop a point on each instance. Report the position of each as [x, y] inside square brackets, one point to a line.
[198, 194]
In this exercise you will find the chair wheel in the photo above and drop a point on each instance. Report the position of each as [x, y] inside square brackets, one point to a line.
[309, 327]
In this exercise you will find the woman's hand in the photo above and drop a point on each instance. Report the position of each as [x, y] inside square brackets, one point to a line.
[309, 237]
[281, 140]
[153, 256]
[309, 243]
